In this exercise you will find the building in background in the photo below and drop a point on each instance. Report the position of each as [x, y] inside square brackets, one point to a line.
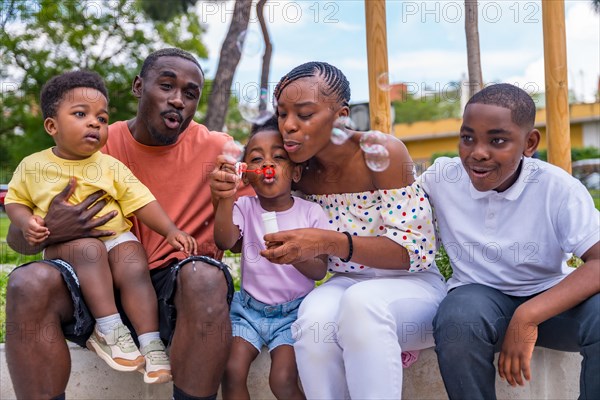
[425, 138]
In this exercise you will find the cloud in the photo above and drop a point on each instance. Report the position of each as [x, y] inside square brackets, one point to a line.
[583, 55]
[419, 51]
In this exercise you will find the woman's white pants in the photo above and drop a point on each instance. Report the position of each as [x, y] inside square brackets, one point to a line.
[351, 331]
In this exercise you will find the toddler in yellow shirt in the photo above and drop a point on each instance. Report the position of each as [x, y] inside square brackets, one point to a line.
[75, 111]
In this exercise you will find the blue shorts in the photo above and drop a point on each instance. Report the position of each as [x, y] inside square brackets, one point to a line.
[263, 324]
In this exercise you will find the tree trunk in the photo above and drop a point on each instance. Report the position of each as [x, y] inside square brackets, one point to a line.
[266, 63]
[473, 56]
[218, 99]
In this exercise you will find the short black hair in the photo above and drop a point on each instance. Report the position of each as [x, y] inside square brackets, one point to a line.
[168, 52]
[54, 90]
[505, 95]
[269, 125]
[336, 81]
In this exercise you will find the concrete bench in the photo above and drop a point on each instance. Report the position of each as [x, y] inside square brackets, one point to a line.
[555, 375]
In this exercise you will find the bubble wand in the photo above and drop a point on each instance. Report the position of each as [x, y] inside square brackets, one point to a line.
[268, 172]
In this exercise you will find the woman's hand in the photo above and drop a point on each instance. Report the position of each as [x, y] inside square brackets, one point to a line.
[296, 245]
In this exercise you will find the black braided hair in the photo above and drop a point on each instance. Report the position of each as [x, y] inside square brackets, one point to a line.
[505, 95]
[168, 52]
[54, 90]
[336, 83]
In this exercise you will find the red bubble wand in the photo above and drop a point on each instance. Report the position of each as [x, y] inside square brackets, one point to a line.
[268, 172]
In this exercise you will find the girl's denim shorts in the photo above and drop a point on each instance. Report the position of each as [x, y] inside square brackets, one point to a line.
[263, 324]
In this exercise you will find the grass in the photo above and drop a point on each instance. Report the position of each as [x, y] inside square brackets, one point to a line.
[596, 196]
[3, 282]
[7, 255]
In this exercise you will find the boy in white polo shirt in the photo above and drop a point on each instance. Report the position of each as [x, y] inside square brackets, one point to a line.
[509, 224]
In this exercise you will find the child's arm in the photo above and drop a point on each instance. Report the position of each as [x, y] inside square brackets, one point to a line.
[521, 334]
[32, 226]
[314, 269]
[227, 234]
[223, 187]
[153, 216]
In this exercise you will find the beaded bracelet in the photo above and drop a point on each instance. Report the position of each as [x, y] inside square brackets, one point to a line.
[350, 247]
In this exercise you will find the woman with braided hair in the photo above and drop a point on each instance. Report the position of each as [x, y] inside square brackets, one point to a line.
[385, 288]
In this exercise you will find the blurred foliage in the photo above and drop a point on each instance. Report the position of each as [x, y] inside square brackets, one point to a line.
[581, 153]
[157, 10]
[442, 260]
[426, 108]
[438, 154]
[42, 38]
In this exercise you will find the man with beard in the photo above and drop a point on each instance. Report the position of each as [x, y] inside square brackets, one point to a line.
[173, 156]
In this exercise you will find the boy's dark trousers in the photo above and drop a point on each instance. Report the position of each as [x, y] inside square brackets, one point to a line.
[470, 326]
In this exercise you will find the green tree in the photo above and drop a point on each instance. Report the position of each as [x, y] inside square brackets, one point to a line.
[40, 39]
[426, 108]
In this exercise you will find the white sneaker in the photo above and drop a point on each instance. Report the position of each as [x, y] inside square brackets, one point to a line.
[158, 368]
[117, 348]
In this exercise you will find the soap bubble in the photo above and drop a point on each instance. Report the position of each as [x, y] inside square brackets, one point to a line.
[383, 82]
[378, 159]
[342, 130]
[249, 105]
[371, 140]
[250, 43]
[234, 149]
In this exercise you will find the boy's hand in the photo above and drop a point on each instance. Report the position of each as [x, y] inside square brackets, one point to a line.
[517, 349]
[36, 231]
[182, 242]
[224, 181]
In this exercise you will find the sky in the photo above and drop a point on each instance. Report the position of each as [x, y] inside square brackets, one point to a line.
[426, 42]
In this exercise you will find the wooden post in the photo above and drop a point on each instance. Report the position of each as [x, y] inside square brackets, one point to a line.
[377, 58]
[558, 129]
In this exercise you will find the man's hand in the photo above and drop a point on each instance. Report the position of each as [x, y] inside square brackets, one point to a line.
[517, 349]
[66, 221]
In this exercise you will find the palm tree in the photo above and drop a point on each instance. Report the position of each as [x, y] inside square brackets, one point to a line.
[266, 62]
[218, 98]
[473, 55]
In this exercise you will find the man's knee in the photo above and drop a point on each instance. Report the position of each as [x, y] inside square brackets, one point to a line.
[33, 284]
[202, 287]
[201, 278]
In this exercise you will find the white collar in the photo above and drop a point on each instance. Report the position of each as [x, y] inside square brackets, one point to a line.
[528, 166]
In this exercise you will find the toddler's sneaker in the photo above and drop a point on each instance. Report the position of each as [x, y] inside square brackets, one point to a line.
[158, 369]
[117, 348]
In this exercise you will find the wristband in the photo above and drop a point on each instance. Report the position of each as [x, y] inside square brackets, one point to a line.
[350, 248]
